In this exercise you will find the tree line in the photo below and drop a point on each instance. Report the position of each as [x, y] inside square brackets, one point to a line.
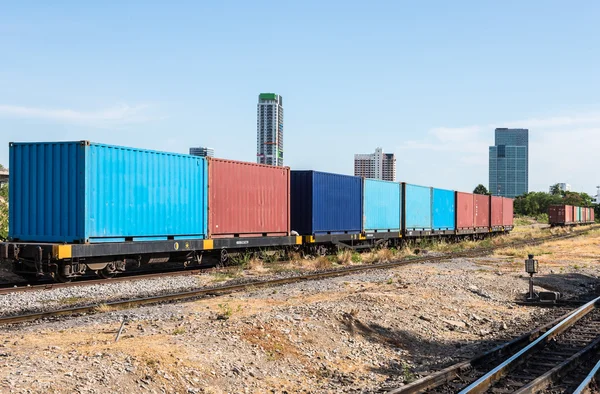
[537, 203]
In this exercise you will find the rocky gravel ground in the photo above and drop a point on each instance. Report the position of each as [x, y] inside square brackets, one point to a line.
[359, 333]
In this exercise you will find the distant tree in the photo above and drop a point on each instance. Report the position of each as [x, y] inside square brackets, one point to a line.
[3, 211]
[480, 189]
[555, 190]
[2, 167]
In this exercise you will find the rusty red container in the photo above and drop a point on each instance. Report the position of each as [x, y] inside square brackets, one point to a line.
[496, 211]
[247, 199]
[557, 214]
[584, 215]
[464, 210]
[592, 215]
[482, 211]
[507, 212]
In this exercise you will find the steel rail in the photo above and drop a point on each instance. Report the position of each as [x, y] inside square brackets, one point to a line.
[487, 380]
[238, 287]
[5, 289]
[584, 387]
[446, 375]
[556, 373]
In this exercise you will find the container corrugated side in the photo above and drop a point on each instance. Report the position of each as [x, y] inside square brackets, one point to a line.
[482, 211]
[568, 213]
[579, 216]
[496, 211]
[325, 203]
[584, 214]
[507, 211]
[593, 215]
[248, 199]
[91, 192]
[443, 211]
[381, 206]
[417, 207]
[465, 207]
[556, 214]
[47, 192]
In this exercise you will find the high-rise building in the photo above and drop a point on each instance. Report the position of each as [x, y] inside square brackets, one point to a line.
[376, 165]
[564, 187]
[269, 129]
[202, 152]
[509, 163]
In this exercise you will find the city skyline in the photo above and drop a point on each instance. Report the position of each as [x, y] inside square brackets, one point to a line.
[71, 75]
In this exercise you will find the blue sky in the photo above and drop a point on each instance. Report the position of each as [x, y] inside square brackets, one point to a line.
[426, 80]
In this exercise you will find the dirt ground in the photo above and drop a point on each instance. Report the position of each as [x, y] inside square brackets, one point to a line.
[346, 334]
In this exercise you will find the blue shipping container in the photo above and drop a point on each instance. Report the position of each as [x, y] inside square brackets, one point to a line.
[382, 203]
[417, 207]
[323, 203]
[87, 192]
[443, 209]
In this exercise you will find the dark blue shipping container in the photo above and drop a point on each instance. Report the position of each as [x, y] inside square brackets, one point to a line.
[87, 192]
[323, 203]
[443, 209]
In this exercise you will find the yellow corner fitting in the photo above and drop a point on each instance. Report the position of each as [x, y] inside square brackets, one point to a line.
[299, 240]
[309, 239]
[62, 251]
[208, 244]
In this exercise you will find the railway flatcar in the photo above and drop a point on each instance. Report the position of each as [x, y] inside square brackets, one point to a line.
[82, 207]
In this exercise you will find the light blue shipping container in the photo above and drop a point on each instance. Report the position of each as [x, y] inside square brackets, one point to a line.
[382, 202]
[80, 192]
[417, 207]
[443, 209]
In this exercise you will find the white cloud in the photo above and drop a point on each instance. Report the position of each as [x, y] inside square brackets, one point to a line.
[118, 115]
[561, 149]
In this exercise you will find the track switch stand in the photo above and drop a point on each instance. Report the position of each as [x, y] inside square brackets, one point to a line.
[531, 267]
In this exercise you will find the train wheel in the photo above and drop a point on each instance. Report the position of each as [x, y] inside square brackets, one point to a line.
[107, 272]
[59, 277]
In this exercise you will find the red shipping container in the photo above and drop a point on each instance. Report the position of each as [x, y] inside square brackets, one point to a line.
[568, 214]
[584, 215]
[592, 215]
[482, 210]
[464, 210]
[247, 199]
[507, 211]
[496, 211]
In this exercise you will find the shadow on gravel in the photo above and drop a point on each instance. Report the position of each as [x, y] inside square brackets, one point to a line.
[424, 354]
[567, 283]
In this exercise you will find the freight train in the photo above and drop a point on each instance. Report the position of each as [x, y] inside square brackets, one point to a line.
[81, 207]
[569, 215]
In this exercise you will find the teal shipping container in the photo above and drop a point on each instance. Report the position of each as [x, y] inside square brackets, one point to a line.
[417, 207]
[443, 211]
[382, 201]
[85, 192]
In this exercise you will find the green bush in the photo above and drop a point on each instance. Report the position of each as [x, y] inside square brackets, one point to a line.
[3, 212]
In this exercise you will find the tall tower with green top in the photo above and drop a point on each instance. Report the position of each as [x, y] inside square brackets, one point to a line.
[269, 129]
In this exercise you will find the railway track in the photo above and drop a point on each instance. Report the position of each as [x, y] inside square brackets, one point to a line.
[217, 290]
[132, 276]
[561, 357]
